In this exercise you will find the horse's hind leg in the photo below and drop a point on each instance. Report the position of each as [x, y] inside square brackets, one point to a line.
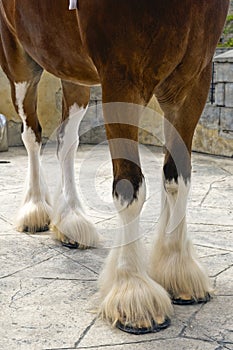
[68, 219]
[34, 214]
[24, 75]
[173, 263]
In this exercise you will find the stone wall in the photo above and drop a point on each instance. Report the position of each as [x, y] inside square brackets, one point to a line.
[231, 7]
[49, 112]
[214, 133]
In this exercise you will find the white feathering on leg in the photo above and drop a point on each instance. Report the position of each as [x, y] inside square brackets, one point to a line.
[69, 221]
[128, 294]
[173, 262]
[34, 214]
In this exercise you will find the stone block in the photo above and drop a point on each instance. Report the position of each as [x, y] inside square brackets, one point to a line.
[148, 138]
[85, 137]
[85, 127]
[226, 56]
[99, 113]
[14, 133]
[212, 142]
[224, 72]
[226, 122]
[90, 114]
[229, 95]
[92, 126]
[96, 93]
[210, 117]
[3, 134]
[220, 94]
[98, 135]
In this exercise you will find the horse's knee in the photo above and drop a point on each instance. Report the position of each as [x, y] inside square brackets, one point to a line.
[176, 172]
[129, 188]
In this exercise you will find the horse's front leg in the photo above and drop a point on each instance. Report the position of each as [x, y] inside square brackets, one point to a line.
[69, 222]
[131, 300]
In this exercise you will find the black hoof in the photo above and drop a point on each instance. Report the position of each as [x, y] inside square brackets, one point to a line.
[70, 245]
[37, 229]
[43, 229]
[192, 301]
[137, 331]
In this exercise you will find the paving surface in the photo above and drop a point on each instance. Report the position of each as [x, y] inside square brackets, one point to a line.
[47, 292]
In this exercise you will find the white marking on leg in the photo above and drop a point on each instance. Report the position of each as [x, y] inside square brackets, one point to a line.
[20, 93]
[68, 137]
[173, 262]
[176, 201]
[35, 211]
[69, 219]
[69, 142]
[32, 146]
[129, 295]
[130, 215]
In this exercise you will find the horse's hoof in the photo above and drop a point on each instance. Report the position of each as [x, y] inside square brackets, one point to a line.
[74, 245]
[67, 242]
[35, 229]
[180, 301]
[137, 331]
[70, 245]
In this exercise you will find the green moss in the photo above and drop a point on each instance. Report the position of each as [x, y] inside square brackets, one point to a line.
[227, 33]
[228, 29]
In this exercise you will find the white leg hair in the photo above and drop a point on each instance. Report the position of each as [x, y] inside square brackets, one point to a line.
[129, 295]
[34, 214]
[69, 221]
[173, 262]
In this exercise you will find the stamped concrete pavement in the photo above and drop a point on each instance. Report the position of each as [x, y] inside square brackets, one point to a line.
[48, 292]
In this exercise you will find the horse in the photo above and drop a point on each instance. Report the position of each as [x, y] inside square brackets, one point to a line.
[134, 50]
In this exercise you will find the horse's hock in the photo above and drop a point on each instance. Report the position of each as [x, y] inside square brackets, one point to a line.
[214, 133]
[49, 109]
